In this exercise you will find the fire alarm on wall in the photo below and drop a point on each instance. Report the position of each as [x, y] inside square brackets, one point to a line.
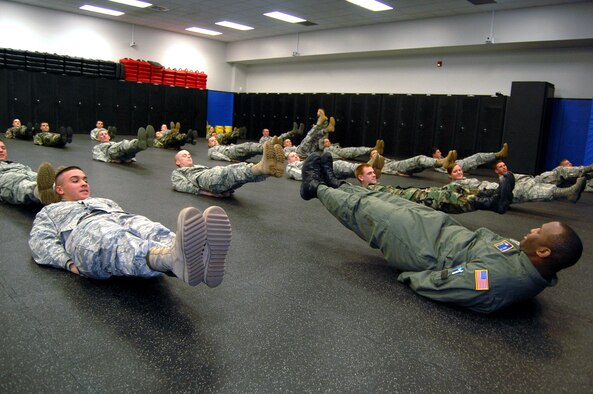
[439, 63]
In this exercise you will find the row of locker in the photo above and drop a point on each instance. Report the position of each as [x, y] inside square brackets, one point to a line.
[79, 102]
[59, 64]
[409, 124]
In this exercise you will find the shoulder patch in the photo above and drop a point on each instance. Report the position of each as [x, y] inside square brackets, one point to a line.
[482, 280]
[504, 246]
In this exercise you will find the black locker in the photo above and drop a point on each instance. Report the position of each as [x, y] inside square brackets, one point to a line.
[527, 125]
[301, 110]
[491, 120]
[286, 107]
[342, 117]
[240, 108]
[156, 105]
[446, 117]
[371, 119]
[105, 99]
[354, 133]
[139, 107]
[275, 120]
[67, 103]
[200, 107]
[254, 120]
[424, 120]
[404, 135]
[123, 118]
[86, 105]
[5, 118]
[467, 126]
[43, 88]
[388, 119]
[320, 100]
[267, 112]
[19, 95]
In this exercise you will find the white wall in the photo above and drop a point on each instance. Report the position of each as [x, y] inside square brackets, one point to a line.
[43, 30]
[553, 44]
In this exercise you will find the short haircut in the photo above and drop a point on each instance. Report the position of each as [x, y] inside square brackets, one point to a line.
[360, 169]
[566, 248]
[62, 170]
[433, 150]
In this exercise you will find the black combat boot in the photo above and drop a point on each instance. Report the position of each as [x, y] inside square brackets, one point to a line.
[312, 177]
[327, 171]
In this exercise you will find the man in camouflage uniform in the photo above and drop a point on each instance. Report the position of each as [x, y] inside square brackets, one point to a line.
[475, 160]
[19, 131]
[295, 132]
[566, 174]
[409, 167]
[527, 188]
[239, 152]
[96, 238]
[46, 138]
[438, 257]
[222, 181]
[21, 185]
[451, 198]
[352, 152]
[123, 151]
[111, 130]
[173, 138]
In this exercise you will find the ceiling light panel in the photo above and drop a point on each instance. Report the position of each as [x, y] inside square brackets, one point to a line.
[284, 17]
[233, 25]
[371, 5]
[100, 10]
[133, 3]
[203, 31]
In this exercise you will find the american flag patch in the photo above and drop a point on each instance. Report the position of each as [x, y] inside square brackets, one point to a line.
[482, 280]
[503, 246]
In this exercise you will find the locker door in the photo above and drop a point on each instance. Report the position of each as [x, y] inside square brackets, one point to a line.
[371, 119]
[43, 99]
[86, 104]
[467, 126]
[491, 121]
[67, 104]
[445, 122]
[342, 116]
[5, 116]
[156, 105]
[19, 96]
[405, 127]
[240, 107]
[105, 102]
[424, 121]
[139, 106]
[302, 113]
[388, 122]
[355, 124]
[123, 118]
[267, 112]
[286, 105]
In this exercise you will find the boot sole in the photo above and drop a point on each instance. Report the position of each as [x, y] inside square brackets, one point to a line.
[191, 232]
[150, 136]
[217, 244]
[46, 177]
[278, 168]
[142, 138]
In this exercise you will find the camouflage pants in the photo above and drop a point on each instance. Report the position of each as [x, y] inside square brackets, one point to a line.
[561, 176]
[244, 151]
[49, 139]
[349, 153]
[474, 161]
[342, 169]
[17, 132]
[408, 166]
[170, 140]
[528, 189]
[450, 198]
[124, 150]
[18, 187]
[116, 244]
[309, 144]
[223, 179]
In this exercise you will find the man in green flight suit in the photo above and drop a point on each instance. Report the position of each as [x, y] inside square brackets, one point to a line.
[439, 258]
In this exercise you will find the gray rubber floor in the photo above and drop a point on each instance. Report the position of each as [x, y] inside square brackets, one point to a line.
[305, 305]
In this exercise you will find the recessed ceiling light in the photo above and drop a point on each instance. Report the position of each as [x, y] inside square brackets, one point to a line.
[233, 25]
[284, 17]
[133, 3]
[371, 5]
[203, 31]
[100, 10]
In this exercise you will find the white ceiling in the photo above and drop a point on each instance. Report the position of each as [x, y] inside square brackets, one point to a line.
[326, 14]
